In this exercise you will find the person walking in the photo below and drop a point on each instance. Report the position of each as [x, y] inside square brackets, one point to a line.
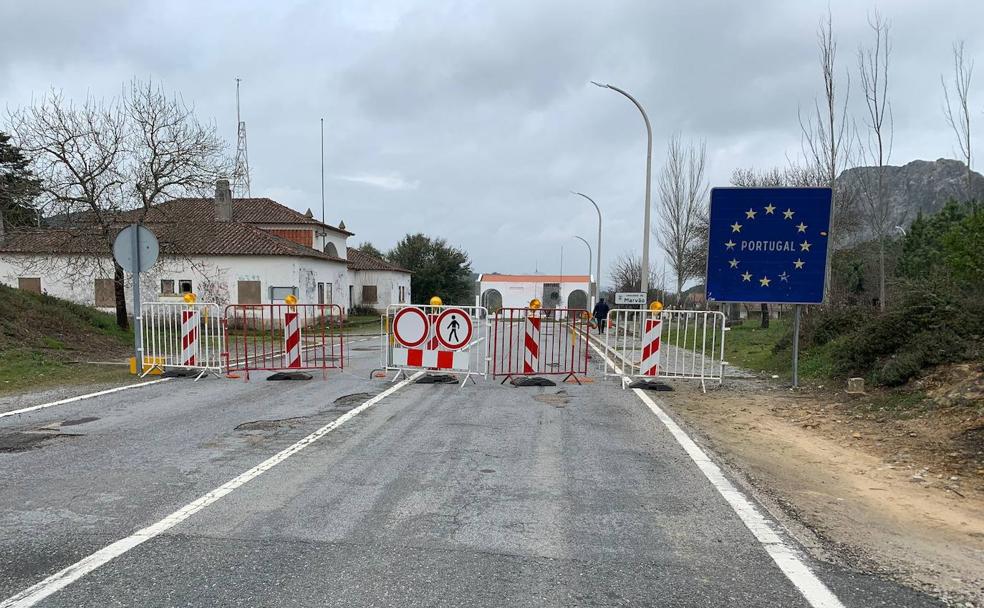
[601, 314]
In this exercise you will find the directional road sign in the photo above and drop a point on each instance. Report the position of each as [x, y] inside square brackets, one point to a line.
[630, 298]
[454, 328]
[768, 245]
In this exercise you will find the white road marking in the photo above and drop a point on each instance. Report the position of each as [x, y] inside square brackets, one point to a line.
[80, 397]
[786, 557]
[67, 576]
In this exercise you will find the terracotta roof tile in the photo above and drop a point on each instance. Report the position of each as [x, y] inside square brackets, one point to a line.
[360, 260]
[214, 238]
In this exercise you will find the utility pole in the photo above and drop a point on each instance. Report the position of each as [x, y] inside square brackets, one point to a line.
[649, 173]
[322, 170]
[597, 288]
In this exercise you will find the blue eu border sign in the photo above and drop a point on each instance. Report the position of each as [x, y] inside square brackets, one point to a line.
[768, 245]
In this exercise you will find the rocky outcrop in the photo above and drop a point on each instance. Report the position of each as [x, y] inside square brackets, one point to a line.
[917, 187]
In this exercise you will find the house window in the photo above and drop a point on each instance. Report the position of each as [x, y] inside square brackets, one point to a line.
[105, 295]
[403, 294]
[279, 293]
[331, 250]
[368, 294]
[32, 284]
[248, 292]
[324, 293]
[184, 286]
[167, 287]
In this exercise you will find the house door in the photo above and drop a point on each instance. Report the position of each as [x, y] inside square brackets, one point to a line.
[351, 294]
[551, 295]
[321, 293]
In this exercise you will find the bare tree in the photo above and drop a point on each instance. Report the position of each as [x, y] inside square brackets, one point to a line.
[626, 274]
[876, 149]
[826, 137]
[99, 161]
[682, 193]
[957, 109]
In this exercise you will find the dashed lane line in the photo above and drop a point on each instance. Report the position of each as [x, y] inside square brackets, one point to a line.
[66, 576]
[81, 397]
[786, 557]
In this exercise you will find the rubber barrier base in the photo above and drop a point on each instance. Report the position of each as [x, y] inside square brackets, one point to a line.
[532, 381]
[651, 385]
[289, 376]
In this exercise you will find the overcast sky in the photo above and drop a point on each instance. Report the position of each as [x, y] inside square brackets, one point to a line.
[472, 120]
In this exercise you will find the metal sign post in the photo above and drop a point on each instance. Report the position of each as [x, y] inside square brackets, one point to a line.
[135, 250]
[769, 245]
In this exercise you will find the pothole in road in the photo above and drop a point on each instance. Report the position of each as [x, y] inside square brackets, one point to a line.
[27, 440]
[79, 421]
[267, 425]
[558, 399]
[347, 402]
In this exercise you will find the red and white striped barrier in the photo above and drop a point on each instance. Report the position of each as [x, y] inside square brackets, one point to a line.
[292, 340]
[434, 338]
[681, 344]
[444, 360]
[177, 335]
[650, 348]
[283, 337]
[531, 345]
[189, 337]
[529, 341]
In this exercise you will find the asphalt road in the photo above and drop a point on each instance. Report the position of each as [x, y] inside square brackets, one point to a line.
[485, 496]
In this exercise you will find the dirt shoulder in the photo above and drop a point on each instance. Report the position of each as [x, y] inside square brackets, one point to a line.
[861, 482]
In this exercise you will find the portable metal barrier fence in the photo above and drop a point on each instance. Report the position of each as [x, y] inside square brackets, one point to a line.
[177, 335]
[684, 344]
[446, 339]
[535, 342]
[281, 337]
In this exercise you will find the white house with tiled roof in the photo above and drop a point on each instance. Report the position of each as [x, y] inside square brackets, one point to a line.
[376, 283]
[225, 250]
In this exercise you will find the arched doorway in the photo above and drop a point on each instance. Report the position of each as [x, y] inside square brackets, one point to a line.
[578, 299]
[492, 300]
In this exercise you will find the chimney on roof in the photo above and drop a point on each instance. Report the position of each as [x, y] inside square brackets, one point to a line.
[223, 201]
[341, 225]
[308, 214]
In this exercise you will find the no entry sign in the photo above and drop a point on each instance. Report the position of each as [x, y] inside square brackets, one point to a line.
[454, 328]
[410, 327]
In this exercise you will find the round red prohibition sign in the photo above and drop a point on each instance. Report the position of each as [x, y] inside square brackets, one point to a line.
[453, 328]
[410, 327]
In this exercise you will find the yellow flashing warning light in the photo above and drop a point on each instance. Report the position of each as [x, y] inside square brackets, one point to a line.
[190, 298]
[436, 301]
[535, 304]
[290, 300]
[655, 306]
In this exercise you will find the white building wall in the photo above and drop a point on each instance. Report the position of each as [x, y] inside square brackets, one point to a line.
[387, 284]
[519, 294]
[214, 279]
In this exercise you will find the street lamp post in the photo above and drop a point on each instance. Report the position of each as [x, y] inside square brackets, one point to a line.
[649, 172]
[591, 303]
[597, 287]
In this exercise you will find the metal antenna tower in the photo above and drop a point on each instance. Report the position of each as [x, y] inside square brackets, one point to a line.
[240, 174]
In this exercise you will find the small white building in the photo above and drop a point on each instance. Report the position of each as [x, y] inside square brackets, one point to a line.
[516, 290]
[376, 283]
[225, 250]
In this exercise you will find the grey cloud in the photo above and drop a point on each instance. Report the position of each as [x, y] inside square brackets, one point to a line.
[473, 120]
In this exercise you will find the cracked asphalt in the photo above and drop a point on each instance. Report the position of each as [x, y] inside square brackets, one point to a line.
[485, 496]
